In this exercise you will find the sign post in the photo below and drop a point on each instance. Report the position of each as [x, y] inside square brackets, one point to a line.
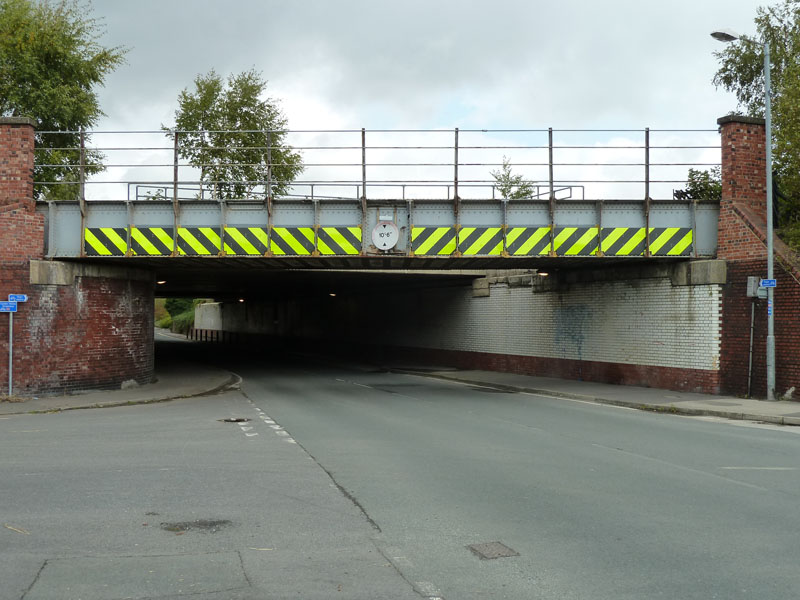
[11, 307]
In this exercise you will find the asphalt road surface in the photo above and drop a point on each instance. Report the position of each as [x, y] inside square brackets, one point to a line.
[350, 483]
[599, 502]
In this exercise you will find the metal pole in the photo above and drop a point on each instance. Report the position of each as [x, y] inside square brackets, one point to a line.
[647, 191]
[750, 358]
[363, 191]
[82, 199]
[770, 273]
[10, 351]
[175, 204]
[552, 198]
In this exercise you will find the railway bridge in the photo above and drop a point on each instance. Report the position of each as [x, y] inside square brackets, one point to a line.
[586, 267]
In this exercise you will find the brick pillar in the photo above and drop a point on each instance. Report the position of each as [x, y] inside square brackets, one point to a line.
[16, 163]
[744, 188]
[742, 241]
[84, 326]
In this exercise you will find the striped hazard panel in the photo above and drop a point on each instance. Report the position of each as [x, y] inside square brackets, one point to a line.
[623, 241]
[670, 241]
[151, 241]
[528, 241]
[330, 241]
[198, 241]
[292, 241]
[105, 241]
[433, 241]
[335, 241]
[575, 241]
[246, 241]
[480, 241]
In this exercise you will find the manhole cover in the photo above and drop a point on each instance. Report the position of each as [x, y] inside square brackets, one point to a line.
[235, 420]
[491, 550]
[207, 525]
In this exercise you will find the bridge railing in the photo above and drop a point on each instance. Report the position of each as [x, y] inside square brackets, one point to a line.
[376, 164]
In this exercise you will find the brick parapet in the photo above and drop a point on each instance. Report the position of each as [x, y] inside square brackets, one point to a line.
[16, 163]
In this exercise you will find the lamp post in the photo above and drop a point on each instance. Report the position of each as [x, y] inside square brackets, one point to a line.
[727, 35]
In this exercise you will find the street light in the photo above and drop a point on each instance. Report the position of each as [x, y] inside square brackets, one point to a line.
[726, 35]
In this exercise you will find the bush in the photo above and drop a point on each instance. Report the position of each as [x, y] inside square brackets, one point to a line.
[164, 322]
[183, 322]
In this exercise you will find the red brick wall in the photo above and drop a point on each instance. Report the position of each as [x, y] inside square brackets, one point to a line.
[16, 162]
[95, 333]
[735, 346]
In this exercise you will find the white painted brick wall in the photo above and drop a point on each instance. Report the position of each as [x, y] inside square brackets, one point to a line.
[645, 322]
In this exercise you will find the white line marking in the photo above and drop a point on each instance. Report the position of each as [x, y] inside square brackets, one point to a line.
[428, 589]
[247, 429]
[285, 433]
[759, 468]
[250, 434]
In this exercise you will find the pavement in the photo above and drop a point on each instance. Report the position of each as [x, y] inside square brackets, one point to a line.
[783, 412]
[176, 378]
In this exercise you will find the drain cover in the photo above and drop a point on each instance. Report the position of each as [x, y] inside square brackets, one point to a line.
[491, 550]
[235, 420]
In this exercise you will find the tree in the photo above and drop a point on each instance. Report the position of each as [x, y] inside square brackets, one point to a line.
[510, 186]
[741, 72]
[50, 64]
[702, 185]
[235, 136]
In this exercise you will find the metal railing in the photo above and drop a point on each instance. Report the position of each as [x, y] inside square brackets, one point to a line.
[340, 165]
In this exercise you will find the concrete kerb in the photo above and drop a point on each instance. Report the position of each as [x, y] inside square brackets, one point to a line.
[232, 382]
[668, 409]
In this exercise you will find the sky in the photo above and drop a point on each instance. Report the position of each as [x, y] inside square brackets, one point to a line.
[432, 64]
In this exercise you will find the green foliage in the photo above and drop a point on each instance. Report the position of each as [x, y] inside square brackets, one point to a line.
[176, 306]
[164, 322]
[234, 136]
[510, 186]
[50, 64]
[741, 71]
[183, 322]
[702, 185]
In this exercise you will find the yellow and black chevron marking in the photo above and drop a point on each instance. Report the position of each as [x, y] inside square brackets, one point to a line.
[429, 241]
[480, 241]
[198, 241]
[670, 241]
[246, 241]
[292, 241]
[623, 241]
[105, 241]
[575, 241]
[528, 241]
[339, 240]
[151, 241]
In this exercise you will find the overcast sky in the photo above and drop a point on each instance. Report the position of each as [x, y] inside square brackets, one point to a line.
[431, 63]
[436, 64]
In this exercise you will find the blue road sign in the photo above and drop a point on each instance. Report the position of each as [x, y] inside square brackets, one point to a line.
[8, 306]
[767, 283]
[17, 297]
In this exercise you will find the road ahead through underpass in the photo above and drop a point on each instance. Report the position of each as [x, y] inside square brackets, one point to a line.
[592, 501]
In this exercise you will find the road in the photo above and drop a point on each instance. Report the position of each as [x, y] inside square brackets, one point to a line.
[599, 502]
[353, 483]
